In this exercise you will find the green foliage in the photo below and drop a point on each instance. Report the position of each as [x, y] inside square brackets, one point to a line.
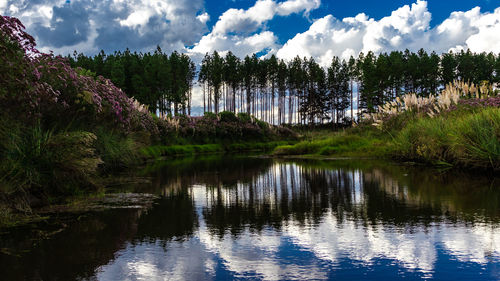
[210, 115]
[466, 138]
[37, 160]
[424, 139]
[244, 117]
[336, 144]
[86, 72]
[116, 149]
[477, 139]
[227, 116]
[177, 150]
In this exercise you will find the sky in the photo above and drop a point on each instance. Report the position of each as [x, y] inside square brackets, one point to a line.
[317, 28]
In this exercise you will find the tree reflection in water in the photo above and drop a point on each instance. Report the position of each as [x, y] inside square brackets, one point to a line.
[226, 217]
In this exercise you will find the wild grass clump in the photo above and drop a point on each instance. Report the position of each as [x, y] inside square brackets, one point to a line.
[469, 139]
[40, 161]
[116, 149]
[424, 139]
[477, 139]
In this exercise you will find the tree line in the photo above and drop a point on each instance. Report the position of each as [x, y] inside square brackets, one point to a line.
[295, 91]
[161, 81]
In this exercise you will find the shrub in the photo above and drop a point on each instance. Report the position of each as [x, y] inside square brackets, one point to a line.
[227, 116]
[244, 117]
[210, 115]
[37, 86]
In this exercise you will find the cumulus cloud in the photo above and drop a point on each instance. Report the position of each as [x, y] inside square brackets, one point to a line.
[3, 5]
[89, 26]
[243, 31]
[407, 27]
[239, 20]
[203, 18]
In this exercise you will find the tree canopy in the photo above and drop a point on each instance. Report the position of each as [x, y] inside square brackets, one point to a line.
[296, 91]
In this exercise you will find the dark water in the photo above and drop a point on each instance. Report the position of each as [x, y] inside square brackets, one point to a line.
[223, 218]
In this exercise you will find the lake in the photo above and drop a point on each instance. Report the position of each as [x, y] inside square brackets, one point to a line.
[226, 218]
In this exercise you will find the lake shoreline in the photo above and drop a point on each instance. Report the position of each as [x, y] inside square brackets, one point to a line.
[109, 197]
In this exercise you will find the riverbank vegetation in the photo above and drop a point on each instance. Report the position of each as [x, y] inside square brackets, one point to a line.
[460, 127]
[66, 122]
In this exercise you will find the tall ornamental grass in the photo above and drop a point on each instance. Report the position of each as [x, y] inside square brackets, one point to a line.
[433, 105]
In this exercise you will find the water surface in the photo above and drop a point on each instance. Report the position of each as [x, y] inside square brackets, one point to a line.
[222, 218]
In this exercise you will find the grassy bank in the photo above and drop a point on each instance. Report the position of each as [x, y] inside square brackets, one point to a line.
[464, 137]
[345, 143]
[193, 149]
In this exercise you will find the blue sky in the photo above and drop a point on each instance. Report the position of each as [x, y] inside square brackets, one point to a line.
[317, 28]
[286, 27]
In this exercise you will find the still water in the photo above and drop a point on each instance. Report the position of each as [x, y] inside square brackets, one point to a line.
[226, 218]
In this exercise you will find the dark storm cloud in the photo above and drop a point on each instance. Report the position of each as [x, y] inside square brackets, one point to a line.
[68, 26]
[96, 25]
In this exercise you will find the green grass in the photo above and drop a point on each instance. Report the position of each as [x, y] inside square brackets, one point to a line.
[193, 149]
[349, 143]
[459, 138]
[44, 161]
[477, 139]
[469, 139]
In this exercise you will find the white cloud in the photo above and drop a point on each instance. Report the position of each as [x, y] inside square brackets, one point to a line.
[407, 27]
[203, 18]
[243, 31]
[239, 20]
[136, 18]
[296, 6]
[3, 5]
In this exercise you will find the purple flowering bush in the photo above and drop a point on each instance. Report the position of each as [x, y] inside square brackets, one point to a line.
[59, 124]
[43, 86]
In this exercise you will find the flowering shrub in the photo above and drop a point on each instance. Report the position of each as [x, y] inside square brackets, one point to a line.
[43, 85]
